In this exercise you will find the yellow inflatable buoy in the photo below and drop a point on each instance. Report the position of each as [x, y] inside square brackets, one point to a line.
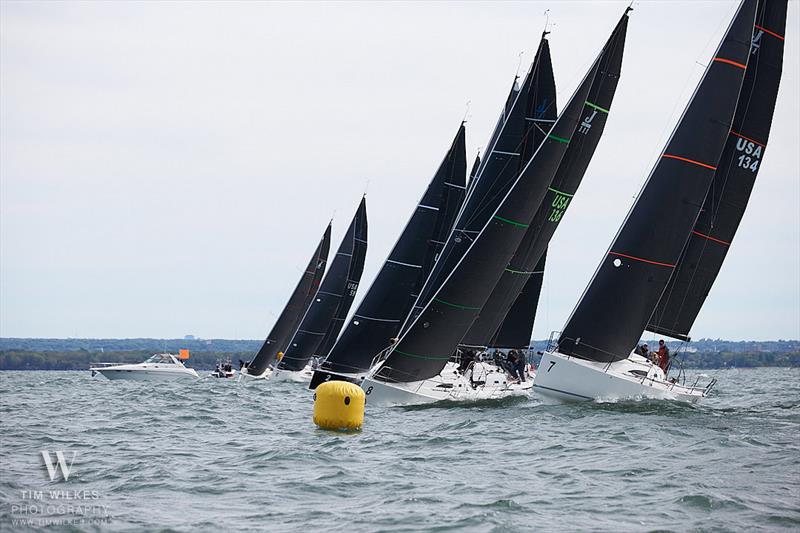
[339, 405]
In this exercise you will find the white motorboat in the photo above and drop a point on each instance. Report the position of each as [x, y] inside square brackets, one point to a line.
[223, 370]
[159, 367]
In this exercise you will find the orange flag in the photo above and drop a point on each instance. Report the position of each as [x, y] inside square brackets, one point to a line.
[184, 354]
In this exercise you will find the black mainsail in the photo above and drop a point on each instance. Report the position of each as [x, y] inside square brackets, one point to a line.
[498, 169]
[559, 194]
[298, 303]
[733, 181]
[433, 336]
[616, 306]
[390, 297]
[517, 327]
[325, 317]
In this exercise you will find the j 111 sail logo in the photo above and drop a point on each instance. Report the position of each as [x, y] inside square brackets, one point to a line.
[60, 464]
[755, 44]
[586, 125]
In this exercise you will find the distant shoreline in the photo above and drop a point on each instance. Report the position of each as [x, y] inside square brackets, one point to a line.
[79, 354]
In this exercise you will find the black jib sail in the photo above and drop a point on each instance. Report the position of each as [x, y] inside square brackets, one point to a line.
[390, 297]
[560, 193]
[423, 350]
[616, 306]
[733, 181]
[516, 329]
[327, 313]
[298, 303]
[499, 168]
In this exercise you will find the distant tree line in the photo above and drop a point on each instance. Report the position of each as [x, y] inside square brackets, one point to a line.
[83, 359]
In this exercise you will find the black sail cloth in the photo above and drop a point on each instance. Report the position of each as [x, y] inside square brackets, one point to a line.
[298, 303]
[499, 168]
[616, 306]
[390, 297]
[325, 317]
[559, 195]
[517, 327]
[426, 345]
[733, 181]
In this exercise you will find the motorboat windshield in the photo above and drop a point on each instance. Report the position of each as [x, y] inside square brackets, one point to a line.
[162, 359]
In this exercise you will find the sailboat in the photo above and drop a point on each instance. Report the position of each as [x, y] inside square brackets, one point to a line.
[388, 300]
[411, 371]
[513, 301]
[645, 279]
[326, 315]
[260, 367]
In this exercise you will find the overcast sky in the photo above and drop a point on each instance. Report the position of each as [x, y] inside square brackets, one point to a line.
[168, 168]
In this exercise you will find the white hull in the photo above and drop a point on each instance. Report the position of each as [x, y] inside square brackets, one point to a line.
[245, 376]
[572, 379]
[301, 376]
[146, 374]
[482, 382]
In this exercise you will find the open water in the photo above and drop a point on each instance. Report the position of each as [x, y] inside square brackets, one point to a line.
[215, 455]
